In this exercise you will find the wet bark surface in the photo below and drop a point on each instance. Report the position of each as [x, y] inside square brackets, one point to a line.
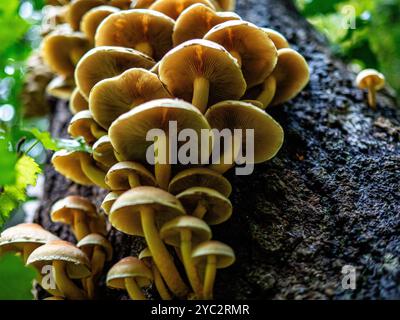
[330, 198]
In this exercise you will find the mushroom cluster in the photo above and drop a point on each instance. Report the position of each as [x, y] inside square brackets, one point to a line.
[141, 68]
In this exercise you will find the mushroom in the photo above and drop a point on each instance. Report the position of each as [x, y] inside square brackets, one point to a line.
[144, 30]
[77, 102]
[225, 5]
[109, 200]
[195, 21]
[104, 153]
[206, 204]
[215, 255]
[185, 232]
[113, 97]
[202, 72]
[79, 167]
[277, 38]
[99, 251]
[68, 263]
[255, 103]
[83, 125]
[76, 211]
[131, 129]
[173, 8]
[268, 134]
[106, 62]
[138, 212]
[128, 175]
[146, 256]
[250, 45]
[200, 177]
[121, 4]
[61, 87]
[142, 4]
[373, 81]
[77, 9]
[130, 274]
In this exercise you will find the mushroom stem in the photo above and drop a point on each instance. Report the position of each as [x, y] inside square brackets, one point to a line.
[209, 278]
[96, 175]
[162, 169]
[268, 91]
[161, 256]
[191, 271]
[65, 284]
[201, 90]
[133, 180]
[133, 289]
[81, 229]
[28, 248]
[237, 56]
[97, 132]
[200, 210]
[160, 285]
[97, 262]
[227, 160]
[372, 97]
[146, 48]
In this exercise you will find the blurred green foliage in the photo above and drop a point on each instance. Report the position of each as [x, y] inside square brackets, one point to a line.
[374, 42]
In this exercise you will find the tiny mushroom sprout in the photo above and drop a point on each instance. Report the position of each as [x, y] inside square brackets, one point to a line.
[99, 250]
[61, 87]
[68, 263]
[104, 153]
[113, 97]
[195, 21]
[146, 256]
[131, 129]
[250, 45]
[144, 30]
[203, 72]
[268, 134]
[107, 62]
[138, 212]
[130, 274]
[185, 232]
[206, 204]
[128, 175]
[109, 200]
[79, 167]
[77, 10]
[76, 211]
[173, 8]
[277, 38]
[77, 102]
[213, 255]
[373, 81]
[83, 125]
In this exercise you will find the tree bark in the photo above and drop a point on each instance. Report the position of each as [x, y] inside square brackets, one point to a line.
[330, 198]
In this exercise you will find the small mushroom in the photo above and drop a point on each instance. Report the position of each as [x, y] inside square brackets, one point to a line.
[130, 274]
[144, 30]
[107, 62]
[104, 153]
[61, 87]
[77, 102]
[277, 38]
[109, 200]
[185, 232]
[138, 212]
[202, 72]
[173, 8]
[113, 97]
[83, 125]
[250, 45]
[373, 81]
[215, 255]
[77, 9]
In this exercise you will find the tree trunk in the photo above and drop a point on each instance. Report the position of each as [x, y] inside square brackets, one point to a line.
[330, 198]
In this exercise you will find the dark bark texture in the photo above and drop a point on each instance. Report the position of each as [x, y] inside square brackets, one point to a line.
[330, 198]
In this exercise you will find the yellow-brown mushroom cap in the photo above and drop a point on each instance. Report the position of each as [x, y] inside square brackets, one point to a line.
[195, 21]
[63, 210]
[95, 239]
[224, 254]
[173, 8]
[142, 4]
[225, 5]
[78, 8]
[121, 4]
[370, 77]
[201, 58]
[171, 231]
[113, 97]
[257, 52]
[77, 102]
[81, 124]
[107, 62]
[129, 267]
[219, 208]
[277, 38]
[109, 200]
[61, 88]
[131, 28]
[103, 152]
[268, 134]
[125, 212]
[145, 254]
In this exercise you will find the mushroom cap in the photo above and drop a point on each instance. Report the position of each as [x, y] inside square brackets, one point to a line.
[200, 177]
[77, 263]
[277, 38]
[225, 5]
[142, 4]
[291, 74]
[103, 152]
[257, 51]
[106, 62]
[80, 126]
[129, 28]
[77, 102]
[131, 128]
[268, 134]
[117, 177]
[202, 58]
[64, 209]
[196, 20]
[174, 8]
[224, 254]
[219, 208]
[129, 267]
[370, 77]
[255, 103]
[125, 212]
[92, 19]
[95, 239]
[113, 97]
[171, 231]
[121, 4]
[109, 200]
[77, 9]
[145, 254]
[61, 88]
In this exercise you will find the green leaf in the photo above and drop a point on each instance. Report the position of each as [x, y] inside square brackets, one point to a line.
[8, 161]
[15, 279]
[315, 7]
